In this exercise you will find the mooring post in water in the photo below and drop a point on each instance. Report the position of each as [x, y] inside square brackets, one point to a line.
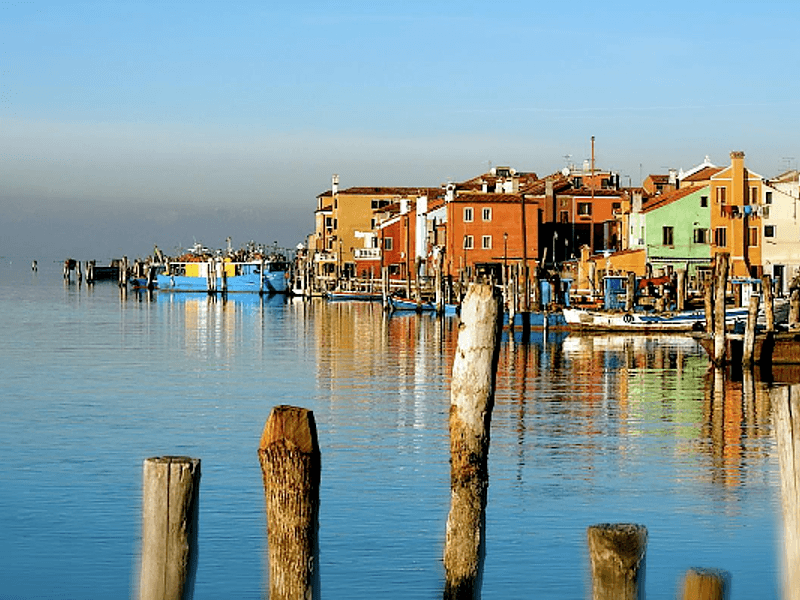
[706, 584]
[769, 302]
[721, 283]
[630, 292]
[471, 403]
[617, 557]
[680, 297]
[290, 464]
[708, 300]
[786, 420]
[749, 344]
[169, 527]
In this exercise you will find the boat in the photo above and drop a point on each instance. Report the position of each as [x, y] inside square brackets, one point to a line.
[343, 295]
[536, 320]
[397, 303]
[646, 322]
[198, 271]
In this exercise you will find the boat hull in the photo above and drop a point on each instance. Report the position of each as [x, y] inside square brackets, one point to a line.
[581, 319]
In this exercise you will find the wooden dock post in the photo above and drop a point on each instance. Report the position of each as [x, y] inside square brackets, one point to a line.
[471, 403]
[617, 557]
[750, 332]
[169, 527]
[630, 292]
[706, 584]
[794, 308]
[720, 284]
[680, 296]
[290, 464]
[786, 420]
[769, 302]
[708, 300]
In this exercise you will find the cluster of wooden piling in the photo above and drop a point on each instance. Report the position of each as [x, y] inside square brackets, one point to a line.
[290, 460]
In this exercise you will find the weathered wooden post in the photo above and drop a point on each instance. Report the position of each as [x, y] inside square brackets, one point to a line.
[385, 287]
[708, 300]
[630, 292]
[769, 302]
[721, 283]
[290, 464]
[786, 420]
[794, 308]
[471, 403]
[438, 283]
[617, 556]
[169, 527]
[749, 343]
[680, 297]
[706, 584]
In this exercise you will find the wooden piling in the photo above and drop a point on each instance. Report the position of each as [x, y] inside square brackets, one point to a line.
[721, 283]
[630, 292]
[169, 527]
[471, 403]
[617, 557]
[786, 420]
[680, 296]
[794, 308]
[708, 299]
[706, 584]
[769, 302]
[290, 464]
[750, 332]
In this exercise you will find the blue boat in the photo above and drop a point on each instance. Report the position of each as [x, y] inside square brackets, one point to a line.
[222, 275]
[402, 304]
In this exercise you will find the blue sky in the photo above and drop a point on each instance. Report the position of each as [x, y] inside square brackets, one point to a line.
[124, 124]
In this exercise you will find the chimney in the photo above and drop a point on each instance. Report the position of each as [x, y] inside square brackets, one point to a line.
[335, 185]
[484, 186]
[738, 179]
[450, 192]
[673, 177]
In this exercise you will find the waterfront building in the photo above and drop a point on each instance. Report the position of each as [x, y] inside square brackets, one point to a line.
[676, 230]
[735, 193]
[780, 251]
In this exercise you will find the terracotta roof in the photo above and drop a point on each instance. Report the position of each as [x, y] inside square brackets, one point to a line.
[659, 178]
[703, 174]
[668, 198]
[392, 191]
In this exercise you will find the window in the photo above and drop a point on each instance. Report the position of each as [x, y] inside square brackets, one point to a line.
[486, 242]
[469, 243]
[721, 237]
[564, 216]
[769, 230]
[703, 201]
[753, 237]
[377, 204]
[667, 236]
[387, 243]
[700, 236]
[468, 214]
[584, 208]
[722, 195]
[768, 198]
[329, 222]
[753, 195]
[487, 214]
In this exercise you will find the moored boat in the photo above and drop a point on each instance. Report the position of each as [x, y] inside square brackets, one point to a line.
[688, 320]
[233, 273]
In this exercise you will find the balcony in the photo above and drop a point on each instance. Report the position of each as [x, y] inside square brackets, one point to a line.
[325, 257]
[367, 253]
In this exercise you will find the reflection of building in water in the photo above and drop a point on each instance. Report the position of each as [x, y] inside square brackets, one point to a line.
[736, 425]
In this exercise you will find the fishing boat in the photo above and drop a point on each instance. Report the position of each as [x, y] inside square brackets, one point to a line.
[644, 322]
[198, 271]
[535, 320]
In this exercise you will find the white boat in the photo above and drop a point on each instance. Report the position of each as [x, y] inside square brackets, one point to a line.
[688, 320]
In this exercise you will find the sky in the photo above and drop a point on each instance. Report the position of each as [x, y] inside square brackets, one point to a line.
[125, 125]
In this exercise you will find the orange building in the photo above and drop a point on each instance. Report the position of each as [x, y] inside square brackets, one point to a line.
[735, 221]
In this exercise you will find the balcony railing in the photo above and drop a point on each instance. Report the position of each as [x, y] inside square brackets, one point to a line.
[367, 253]
[325, 257]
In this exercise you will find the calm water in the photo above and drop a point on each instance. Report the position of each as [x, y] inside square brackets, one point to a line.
[585, 430]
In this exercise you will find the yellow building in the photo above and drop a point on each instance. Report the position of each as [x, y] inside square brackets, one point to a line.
[735, 195]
